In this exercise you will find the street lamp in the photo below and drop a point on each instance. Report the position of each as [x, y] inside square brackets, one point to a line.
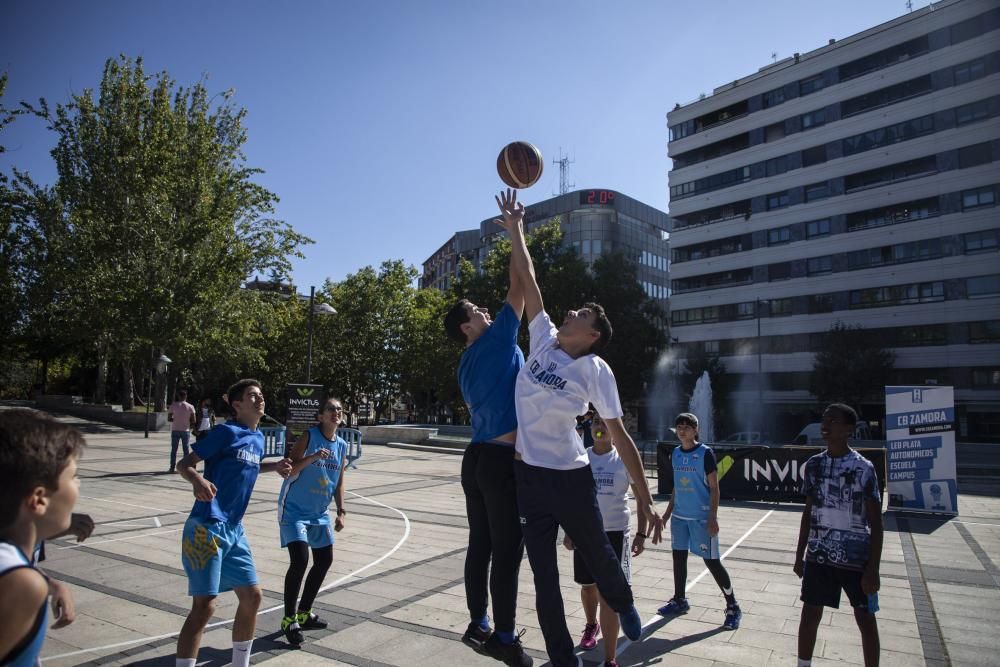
[159, 367]
[315, 309]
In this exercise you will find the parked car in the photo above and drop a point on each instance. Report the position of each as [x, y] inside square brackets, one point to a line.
[746, 438]
[810, 435]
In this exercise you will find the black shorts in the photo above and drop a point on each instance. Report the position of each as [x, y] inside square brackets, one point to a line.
[622, 545]
[821, 586]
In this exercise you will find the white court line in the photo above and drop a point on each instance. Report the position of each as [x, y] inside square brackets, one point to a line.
[626, 642]
[135, 524]
[145, 507]
[143, 640]
[118, 539]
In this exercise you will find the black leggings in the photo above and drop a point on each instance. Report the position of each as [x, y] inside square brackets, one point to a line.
[298, 553]
[714, 566]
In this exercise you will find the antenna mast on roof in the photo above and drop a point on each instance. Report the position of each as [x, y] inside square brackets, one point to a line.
[564, 162]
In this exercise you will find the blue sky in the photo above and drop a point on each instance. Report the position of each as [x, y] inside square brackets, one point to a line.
[378, 122]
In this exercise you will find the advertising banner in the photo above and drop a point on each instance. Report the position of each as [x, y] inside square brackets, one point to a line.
[760, 473]
[920, 448]
[304, 401]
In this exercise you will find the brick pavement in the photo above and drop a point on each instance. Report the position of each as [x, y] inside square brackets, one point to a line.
[396, 595]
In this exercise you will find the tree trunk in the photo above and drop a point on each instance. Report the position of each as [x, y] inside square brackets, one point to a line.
[100, 390]
[128, 386]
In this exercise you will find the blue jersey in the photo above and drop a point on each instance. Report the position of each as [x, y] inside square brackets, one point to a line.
[25, 654]
[232, 455]
[487, 373]
[692, 497]
[306, 496]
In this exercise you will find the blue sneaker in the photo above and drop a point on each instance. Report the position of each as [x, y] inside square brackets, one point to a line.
[733, 617]
[631, 623]
[674, 606]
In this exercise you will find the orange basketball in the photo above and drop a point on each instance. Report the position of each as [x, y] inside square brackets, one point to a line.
[519, 164]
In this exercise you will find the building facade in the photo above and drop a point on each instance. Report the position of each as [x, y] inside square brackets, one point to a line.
[857, 184]
[594, 222]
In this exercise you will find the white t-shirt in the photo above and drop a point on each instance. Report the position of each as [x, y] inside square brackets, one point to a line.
[612, 482]
[551, 390]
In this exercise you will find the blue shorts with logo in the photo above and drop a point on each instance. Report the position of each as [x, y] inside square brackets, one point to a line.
[216, 557]
[317, 533]
[692, 535]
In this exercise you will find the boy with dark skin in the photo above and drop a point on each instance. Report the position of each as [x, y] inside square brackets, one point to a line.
[840, 537]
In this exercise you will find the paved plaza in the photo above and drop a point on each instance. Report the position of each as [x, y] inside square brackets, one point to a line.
[395, 593]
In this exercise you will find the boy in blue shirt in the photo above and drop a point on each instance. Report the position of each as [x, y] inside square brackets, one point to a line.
[486, 375]
[214, 548]
[694, 525]
[303, 516]
[38, 458]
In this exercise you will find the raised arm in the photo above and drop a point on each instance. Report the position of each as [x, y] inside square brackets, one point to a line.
[629, 454]
[521, 267]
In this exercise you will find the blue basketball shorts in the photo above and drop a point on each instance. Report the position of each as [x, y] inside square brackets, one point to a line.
[692, 535]
[216, 557]
[317, 533]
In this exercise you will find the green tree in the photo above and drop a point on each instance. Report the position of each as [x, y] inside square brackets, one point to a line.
[164, 218]
[851, 366]
[430, 362]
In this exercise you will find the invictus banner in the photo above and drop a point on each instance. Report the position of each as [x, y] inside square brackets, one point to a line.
[759, 473]
[304, 402]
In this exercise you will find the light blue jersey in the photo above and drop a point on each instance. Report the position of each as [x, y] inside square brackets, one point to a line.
[692, 497]
[26, 653]
[306, 496]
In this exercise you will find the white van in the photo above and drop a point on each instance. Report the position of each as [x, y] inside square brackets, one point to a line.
[810, 435]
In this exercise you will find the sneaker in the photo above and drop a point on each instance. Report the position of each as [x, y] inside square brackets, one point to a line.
[293, 633]
[733, 617]
[674, 606]
[310, 621]
[610, 663]
[631, 623]
[590, 632]
[509, 654]
[475, 636]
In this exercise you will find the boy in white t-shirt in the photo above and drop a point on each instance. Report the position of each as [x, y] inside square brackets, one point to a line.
[552, 470]
[613, 483]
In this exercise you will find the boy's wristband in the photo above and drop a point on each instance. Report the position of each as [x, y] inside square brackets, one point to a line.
[643, 535]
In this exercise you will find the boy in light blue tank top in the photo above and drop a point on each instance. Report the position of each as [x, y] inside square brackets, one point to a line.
[694, 525]
[318, 459]
[38, 458]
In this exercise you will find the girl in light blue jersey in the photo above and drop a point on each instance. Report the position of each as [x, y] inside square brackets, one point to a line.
[318, 459]
[693, 512]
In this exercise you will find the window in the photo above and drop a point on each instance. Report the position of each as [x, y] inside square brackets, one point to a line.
[740, 209]
[774, 97]
[814, 155]
[774, 132]
[781, 307]
[886, 96]
[709, 183]
[895, 214]
[817, 191]
[778, 165]
[986, 377]
[886, 136]
[813, 119]
[984, 332]
[779, 236]
[780, 271]
[891, 173]
[980, 197]
[982, 286]
[745, 310]
[884, 58]
[968, 29]
[970, 71]
[970, 113]
[711, 346]
[819, 265]
[596, 246]
[975, 155]
[811, 85]
[777, 200]
[981, 241]
[817, 228]
[897, 295]
[894, 254]
[820, 303]
[919, 336]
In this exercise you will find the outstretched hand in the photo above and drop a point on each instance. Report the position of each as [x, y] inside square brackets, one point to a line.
[511, 210]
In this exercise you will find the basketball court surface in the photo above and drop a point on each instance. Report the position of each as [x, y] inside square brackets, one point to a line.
[395, 593]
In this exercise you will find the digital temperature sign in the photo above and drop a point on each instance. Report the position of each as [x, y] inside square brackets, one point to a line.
[597, 197]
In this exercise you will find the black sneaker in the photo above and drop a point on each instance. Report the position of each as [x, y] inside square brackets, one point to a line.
[509, 654]
[310, 621]
[475, 636]
[292, 631]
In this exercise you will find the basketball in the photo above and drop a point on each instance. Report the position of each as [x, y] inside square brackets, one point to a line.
[519, 164]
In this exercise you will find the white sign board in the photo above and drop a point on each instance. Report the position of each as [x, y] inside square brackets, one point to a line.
[920, 448]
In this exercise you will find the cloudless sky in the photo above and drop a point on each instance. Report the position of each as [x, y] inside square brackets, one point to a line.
[378, 122]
